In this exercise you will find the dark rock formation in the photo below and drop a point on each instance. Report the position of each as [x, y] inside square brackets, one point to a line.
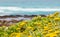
[14, 21]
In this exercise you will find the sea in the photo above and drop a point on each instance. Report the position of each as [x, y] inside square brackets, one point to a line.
[26, 13]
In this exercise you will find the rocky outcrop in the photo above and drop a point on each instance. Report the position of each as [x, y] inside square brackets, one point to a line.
[15, 19]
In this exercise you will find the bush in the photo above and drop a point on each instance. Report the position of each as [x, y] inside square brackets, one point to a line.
[48, 26]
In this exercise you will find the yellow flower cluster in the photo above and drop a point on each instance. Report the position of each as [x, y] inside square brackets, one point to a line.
[48, 26]
[15, 35]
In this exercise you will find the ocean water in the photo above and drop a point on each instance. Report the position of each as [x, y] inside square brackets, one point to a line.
[25, 13]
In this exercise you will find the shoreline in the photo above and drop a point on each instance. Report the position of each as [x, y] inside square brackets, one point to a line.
[9, 20]
[15, 16]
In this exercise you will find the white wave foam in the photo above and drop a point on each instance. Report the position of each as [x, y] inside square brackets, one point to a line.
[29, 9]
[10, 10]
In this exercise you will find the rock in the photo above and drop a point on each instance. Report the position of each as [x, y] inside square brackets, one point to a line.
[10, 20]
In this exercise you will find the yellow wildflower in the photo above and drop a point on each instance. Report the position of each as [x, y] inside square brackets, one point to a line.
[18, 35]
[15, 35]
[29, 27]
[50, 24]
[56, 19]
[29, 36]
[22, 24]
[38, 24]
[50, 30]
[45, 28]
[57, 32]
[51, 35]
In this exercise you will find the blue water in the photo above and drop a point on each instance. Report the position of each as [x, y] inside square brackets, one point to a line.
[25, 13]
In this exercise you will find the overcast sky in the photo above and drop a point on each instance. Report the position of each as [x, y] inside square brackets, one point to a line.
[31, 3]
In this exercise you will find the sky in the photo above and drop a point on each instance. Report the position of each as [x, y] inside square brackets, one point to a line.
[31, 3]
[17, 6]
